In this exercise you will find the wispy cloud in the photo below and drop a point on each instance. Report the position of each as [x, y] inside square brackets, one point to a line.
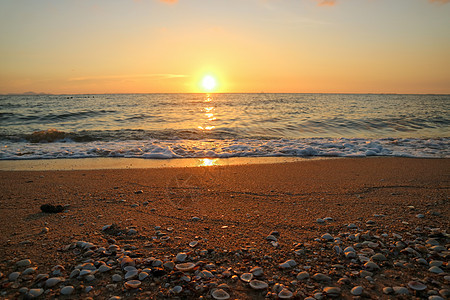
[440, 1]
[326, 2]
[127, 77]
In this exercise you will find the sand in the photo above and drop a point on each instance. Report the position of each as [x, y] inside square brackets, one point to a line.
[238, 207]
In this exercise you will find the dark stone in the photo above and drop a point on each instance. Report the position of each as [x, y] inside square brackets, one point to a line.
[52, 209]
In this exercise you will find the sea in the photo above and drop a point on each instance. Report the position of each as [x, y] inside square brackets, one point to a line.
[173, 126]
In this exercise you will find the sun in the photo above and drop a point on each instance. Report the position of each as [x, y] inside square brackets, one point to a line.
[209, 83]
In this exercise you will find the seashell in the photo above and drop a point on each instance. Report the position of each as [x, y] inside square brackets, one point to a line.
[129, 268]
[246, 277]
[85, 272]
[185, 267]
[131, 274]
[417, 286]
[132, 284]
[257, 271]
[285, 294]
[258, 284]
[220, 294]
[143, 275]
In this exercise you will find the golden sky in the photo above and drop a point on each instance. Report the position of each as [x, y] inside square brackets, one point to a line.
[152, 46]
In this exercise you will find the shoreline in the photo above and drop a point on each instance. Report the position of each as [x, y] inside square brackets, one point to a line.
[221, 218]
[105, 163]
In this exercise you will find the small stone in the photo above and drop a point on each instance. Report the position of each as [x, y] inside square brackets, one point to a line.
[257, 271]
[435, 270]
[23, 290]
[436, 263]
[181, 257]
[288, 264]
[104, 268]
[357, 290]
[51, 282]
[67, 290]
[13, 276]
[421, 216]
[220, 294]
[445, 293]
[327, 237]
[74, 273]
[143, 275]
[400, 290]
[320, 221]
[131, 274]
[34, 293]
[195, 219]
[169, 265]
[321, 277]
[271, 238]
[388, 290]
[378, 257]
[193, 244]
[302, 275]
[90, 277]
[23, 263]
[116, 278]
[176, 289]
[29, 271]
[88, 288]
[435, 297]
[370, 265]
[332, 291]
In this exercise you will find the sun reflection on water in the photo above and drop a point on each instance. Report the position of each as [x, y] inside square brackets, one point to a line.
[209, 113]
[207, 162]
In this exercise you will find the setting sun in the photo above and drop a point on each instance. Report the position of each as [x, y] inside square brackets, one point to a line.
[209, 83]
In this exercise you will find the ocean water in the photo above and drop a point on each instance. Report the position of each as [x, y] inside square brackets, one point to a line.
[223, 125]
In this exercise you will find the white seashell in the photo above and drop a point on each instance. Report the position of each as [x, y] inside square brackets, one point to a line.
[132, 284]
[185, 267]
[417, 286]
[246, 277]
[258, 284]
[220, 294]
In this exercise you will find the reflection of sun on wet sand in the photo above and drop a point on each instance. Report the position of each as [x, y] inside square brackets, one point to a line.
[338, 227]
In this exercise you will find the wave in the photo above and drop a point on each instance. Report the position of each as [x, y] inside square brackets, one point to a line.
[212, 148]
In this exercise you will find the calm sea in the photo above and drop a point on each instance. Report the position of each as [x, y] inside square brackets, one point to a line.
[223, 125]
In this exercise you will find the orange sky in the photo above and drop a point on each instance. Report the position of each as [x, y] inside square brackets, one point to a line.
[147, 46]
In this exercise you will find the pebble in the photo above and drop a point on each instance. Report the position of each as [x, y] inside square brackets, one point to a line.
[435, 297]
[388, 290]
[288, 264]
[23, 263]
[320, 221]
[104, 268]
[185, 267]
[246, 277]
[302, 275]
[327, 237]
[13, 276]
[51, 282]
[181, 257]
[357, 290]
[435, 270]
[332, 291]
[67, 290]
[132, 284]
[321, 277]
[116, 278]
[34, 293]
[400, 290]
[257, 271]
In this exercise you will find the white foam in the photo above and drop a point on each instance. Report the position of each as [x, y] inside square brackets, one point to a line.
[166, 149]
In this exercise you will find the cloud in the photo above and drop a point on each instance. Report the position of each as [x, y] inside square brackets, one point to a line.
[127, 77]
[327, 2]
[440, 1]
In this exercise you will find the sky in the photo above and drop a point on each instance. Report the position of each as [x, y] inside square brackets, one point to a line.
[156, 46]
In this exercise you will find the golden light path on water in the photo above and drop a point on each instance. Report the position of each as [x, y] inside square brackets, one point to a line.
[209, 113]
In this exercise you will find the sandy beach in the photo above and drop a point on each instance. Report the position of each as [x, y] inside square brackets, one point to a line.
[393, 212]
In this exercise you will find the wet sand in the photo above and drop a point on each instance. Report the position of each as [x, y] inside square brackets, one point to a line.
[238, 207]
